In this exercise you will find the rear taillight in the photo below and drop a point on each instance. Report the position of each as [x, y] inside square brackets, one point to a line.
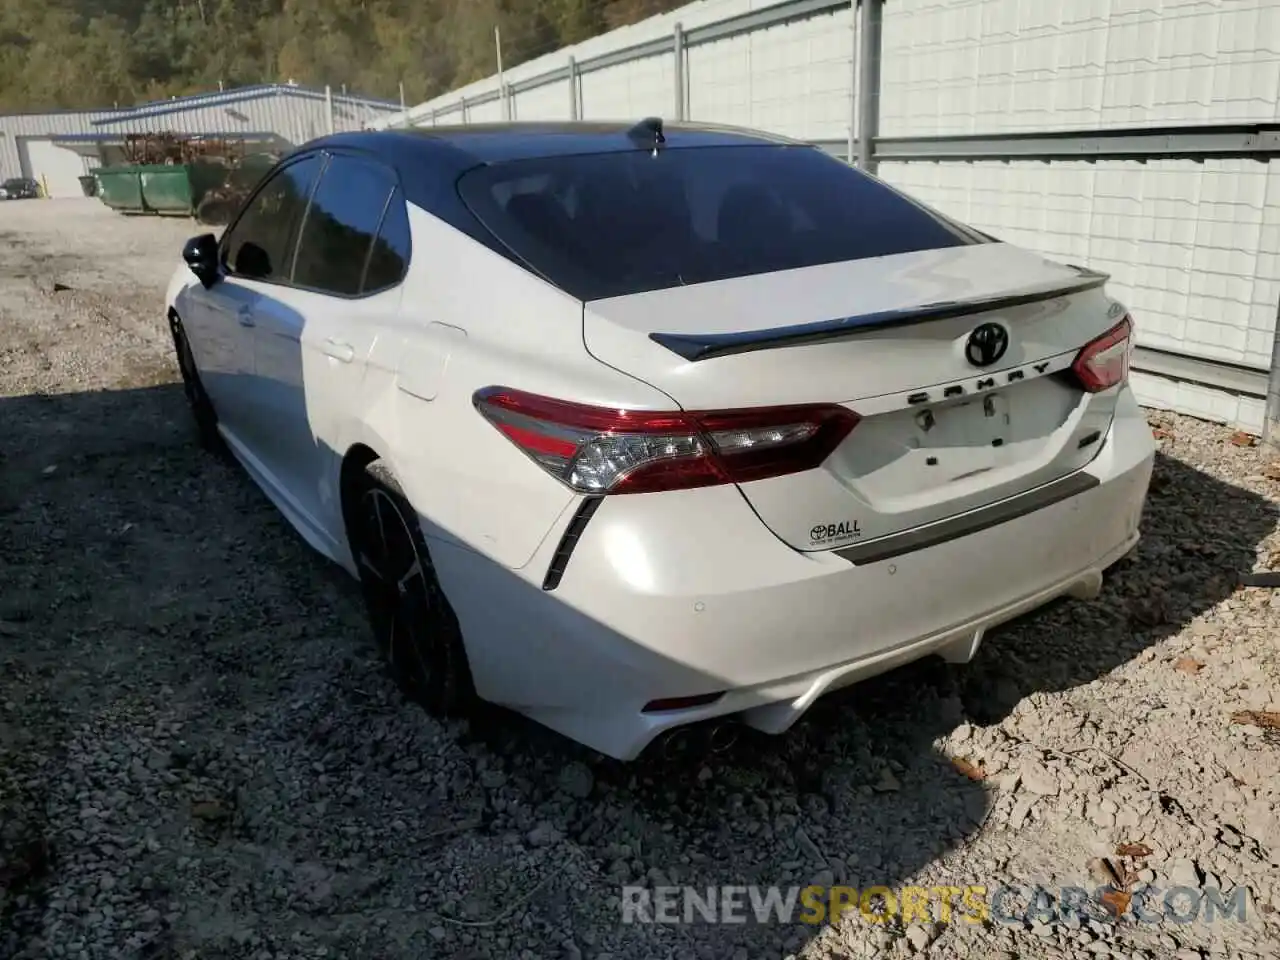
[1104, 362]
[602, 450]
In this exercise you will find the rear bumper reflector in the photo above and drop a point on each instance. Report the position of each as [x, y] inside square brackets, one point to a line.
[560, 560]
[918, 538]
[696, 346]
[681, 703]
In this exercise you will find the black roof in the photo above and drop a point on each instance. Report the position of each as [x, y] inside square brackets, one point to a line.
[464, 146]
[428, 161]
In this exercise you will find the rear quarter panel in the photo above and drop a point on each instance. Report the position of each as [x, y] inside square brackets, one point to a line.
[472, 319]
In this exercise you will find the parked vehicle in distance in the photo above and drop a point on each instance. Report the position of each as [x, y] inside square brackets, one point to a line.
[631, 427]
[19, 188]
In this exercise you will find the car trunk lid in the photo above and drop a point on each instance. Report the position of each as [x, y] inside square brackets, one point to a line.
[943, 431]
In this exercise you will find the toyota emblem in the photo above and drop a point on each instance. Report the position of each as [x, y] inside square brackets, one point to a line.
[986, 344]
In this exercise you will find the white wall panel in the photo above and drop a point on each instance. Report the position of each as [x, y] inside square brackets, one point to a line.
[696, 14]
[1207, 403]
[490, 112]
[720, 81]
[640, 88]
[1193, 248]
[991, 66]
[958, 66]
[794, 79]
[548, 102]
[451, 115]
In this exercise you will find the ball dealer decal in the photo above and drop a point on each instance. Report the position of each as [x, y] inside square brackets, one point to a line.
[827, 533]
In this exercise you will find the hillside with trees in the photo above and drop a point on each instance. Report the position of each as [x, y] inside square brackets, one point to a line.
[57, 54]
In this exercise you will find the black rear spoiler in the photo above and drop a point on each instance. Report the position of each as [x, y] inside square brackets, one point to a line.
[704, 346]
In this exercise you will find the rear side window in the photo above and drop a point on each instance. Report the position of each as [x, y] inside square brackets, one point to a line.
[389, 258]
[612, 224]
[260, 244]
[343, 227]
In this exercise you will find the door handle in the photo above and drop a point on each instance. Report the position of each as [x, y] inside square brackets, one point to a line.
[339, 350]
[245, 316]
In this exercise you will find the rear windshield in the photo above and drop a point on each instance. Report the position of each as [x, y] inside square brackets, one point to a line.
[612, 224]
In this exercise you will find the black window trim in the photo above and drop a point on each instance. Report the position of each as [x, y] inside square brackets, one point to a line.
[326, 155]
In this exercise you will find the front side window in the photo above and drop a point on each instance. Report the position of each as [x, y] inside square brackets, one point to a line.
[613, 224]
[347, 211]
[260, 244]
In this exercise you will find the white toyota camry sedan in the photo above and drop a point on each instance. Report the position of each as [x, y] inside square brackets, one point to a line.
[631, 427]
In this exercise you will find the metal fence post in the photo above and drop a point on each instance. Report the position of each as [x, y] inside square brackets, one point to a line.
[851, 149]
[328, 106]
[462, 101]
[870, 21]
[574, 110]
[677, 37]
[1271, 415]
[503, 94]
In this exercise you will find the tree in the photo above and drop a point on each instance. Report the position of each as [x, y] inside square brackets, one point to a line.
[56, 54]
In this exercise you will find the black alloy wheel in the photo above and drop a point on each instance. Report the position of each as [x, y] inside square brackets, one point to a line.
[414, 626]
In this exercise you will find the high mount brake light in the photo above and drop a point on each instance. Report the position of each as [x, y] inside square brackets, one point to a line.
[1104, 362]
[601, 450]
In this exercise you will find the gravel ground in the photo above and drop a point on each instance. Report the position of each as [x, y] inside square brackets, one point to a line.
[201, 757]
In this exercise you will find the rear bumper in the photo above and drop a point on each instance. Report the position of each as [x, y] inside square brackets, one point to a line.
[679, 594]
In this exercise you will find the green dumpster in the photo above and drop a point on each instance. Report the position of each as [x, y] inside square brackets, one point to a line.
[120, 188]
[173, 189]
[170, 189]
[166, 188]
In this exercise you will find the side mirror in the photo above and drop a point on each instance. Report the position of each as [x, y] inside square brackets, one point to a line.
[201, 255]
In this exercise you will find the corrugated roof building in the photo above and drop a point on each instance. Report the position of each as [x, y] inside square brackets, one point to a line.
[54, 148]
[26, 139]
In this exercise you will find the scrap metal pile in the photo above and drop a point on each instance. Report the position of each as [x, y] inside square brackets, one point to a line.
[171, 148]
[221, 171]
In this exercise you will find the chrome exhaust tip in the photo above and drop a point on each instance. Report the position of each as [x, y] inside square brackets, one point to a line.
[707, 737]
[722, 737]
[673, 742]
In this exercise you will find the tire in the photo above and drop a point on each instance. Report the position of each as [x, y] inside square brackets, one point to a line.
[202, 411]
[412, 622]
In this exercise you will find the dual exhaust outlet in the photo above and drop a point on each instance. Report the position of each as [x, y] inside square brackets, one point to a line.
[714, 737]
